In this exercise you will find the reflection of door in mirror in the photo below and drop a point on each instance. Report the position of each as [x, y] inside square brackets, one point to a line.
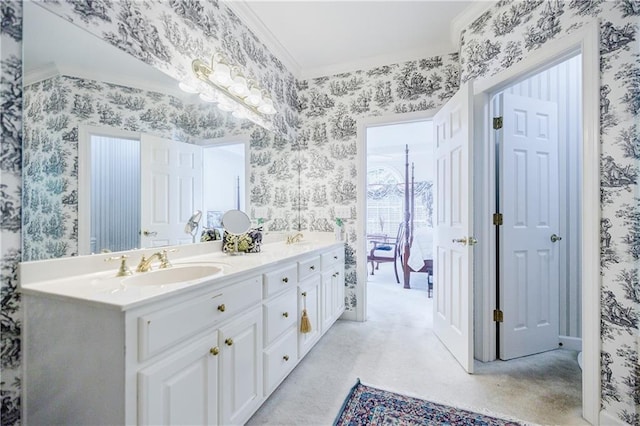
[135, 190]
[172, 190]
[225, 180]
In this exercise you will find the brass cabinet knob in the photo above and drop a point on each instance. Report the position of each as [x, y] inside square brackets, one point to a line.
[285, 314]
[229, 341]
[214, 350]
[285, 280]
[222, 308]
[312, 267]
[304, 294]
[335, 257]
[286, 357]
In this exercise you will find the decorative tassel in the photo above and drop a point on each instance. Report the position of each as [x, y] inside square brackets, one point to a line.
[305, 323]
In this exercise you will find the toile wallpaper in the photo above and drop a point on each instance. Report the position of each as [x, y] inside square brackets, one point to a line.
[507, 33]
[324, 111]
[330, 108]
[53, 110]
[10, 208]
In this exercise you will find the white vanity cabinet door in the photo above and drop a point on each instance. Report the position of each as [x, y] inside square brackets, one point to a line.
[332, 287]
[182, 389]
[241, 369]
[309, 295]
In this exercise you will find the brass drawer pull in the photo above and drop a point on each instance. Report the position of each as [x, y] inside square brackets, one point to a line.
[286, 357]
[285, 280]
[285, 314]
[335, 257]
[222, 308]
[214, 351]
[304, 294]
[229, 341]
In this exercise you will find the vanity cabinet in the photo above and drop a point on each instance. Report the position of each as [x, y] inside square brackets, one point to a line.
[207, 355]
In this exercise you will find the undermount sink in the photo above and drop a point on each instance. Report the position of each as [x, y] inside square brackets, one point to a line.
[174, 275]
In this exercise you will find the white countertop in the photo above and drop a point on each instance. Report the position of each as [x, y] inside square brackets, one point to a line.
[90, 279]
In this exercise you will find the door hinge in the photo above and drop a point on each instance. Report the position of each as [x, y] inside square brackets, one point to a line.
[497, 219]
[497, 315]
[497, 123]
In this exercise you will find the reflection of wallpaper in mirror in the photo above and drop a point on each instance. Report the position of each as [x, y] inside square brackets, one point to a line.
[53, 110]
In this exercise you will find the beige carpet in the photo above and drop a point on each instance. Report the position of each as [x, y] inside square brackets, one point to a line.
[396, 350]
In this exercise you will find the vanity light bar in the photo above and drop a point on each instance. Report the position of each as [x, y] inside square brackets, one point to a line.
[231, 83]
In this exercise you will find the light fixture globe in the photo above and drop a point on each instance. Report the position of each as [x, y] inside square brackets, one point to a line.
[266, 107]
[221, 75]
[254, 98]
[239, 87]
[188, 86]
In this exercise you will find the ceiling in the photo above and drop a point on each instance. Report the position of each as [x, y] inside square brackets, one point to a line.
[316, 38]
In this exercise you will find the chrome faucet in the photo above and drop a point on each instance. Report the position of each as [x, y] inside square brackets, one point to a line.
[294, 238]
[145, 262]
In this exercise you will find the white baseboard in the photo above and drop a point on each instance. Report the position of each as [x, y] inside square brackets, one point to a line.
[608, 419]
[349, 316]
[571, 343]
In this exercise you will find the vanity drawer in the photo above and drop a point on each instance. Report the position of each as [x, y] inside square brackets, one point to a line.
[280, 314]
[161, 329]
[308, 267]
[331, 258]
[280, 359]
[279, 280]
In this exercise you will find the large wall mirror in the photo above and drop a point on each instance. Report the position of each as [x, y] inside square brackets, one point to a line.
[76, 85]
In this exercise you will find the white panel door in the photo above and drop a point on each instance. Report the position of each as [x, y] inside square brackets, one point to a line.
[529, 203]
[171, 182]
[453, 236]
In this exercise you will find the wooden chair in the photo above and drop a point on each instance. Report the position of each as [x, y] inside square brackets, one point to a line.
[384, 251]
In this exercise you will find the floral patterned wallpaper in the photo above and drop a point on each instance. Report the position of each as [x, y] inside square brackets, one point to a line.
[329, 110]
[507, 33]
[10, 208]
[53, 110]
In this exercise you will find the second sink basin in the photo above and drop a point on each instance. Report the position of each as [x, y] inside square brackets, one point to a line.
[174, 275]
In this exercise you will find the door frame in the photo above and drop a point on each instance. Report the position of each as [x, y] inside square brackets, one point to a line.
[585, 41]
[361, 199]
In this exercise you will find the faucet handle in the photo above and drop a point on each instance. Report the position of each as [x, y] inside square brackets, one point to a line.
[124, 270]
[164, 259]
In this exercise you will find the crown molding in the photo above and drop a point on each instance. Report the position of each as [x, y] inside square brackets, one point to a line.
[244, 12]
[375, 61]
[37, 75]
[466, 17]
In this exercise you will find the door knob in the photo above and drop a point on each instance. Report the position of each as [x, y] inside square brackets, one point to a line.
[147, 233]
[462, 241]
[472, 241]
[555, 238]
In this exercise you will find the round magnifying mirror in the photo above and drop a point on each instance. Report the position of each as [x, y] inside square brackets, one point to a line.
[236, 222]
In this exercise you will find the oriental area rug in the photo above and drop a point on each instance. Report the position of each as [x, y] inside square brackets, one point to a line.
[366, 405]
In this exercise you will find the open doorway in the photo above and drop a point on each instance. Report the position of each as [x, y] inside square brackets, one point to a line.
[399, 215]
